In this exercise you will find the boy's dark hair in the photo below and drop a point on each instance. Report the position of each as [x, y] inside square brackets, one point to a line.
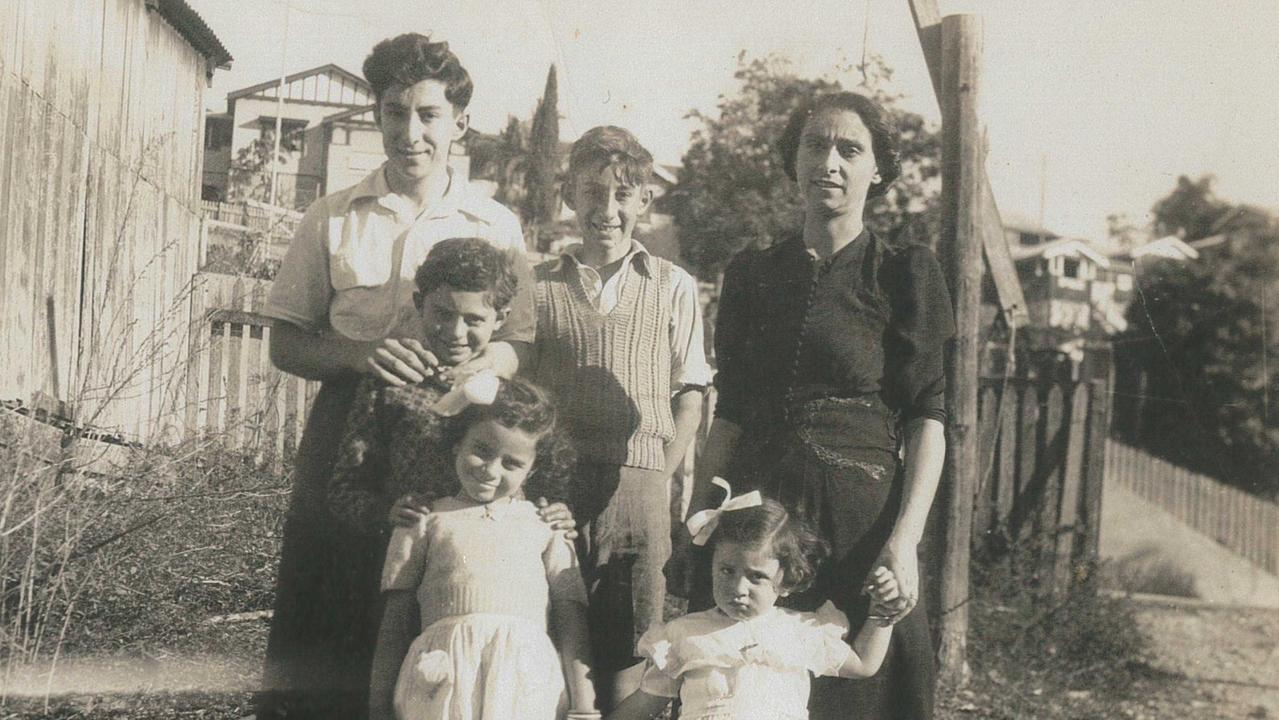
[524, 406]
[616, 147]
[470, 265]
[798, 549]
[411, 58]
[883, 134]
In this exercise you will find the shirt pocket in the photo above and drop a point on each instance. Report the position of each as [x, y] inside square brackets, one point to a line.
[353, 268]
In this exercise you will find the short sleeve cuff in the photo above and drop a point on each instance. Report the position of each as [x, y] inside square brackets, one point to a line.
[305, 322]
[400, 571]
[657, 683]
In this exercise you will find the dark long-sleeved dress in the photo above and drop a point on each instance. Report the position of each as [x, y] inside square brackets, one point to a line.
[365, 445]
[821, 363]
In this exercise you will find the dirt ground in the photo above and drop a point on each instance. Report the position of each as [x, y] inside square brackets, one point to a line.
[1227, 660]
[1229, 655]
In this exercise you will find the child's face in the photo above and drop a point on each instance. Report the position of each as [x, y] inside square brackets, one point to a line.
[747, 580]
[493, 461]
[418, 125]
[457, 323]
[607, 207]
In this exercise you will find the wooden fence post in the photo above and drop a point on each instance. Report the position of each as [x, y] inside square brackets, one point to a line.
[962, 162]
[1071, 489]
[1100, 450]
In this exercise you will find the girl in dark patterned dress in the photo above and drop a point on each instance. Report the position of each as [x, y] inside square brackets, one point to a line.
[831, 386]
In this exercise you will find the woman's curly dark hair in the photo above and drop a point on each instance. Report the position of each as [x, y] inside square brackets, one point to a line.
[798, 549]
[524, 406]
[883, 134]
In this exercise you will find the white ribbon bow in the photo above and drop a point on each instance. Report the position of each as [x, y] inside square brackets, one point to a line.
[478, 389]
[702, 524]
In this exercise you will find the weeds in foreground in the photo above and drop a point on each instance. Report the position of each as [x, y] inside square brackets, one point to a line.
[135, 563]
[1032, 653]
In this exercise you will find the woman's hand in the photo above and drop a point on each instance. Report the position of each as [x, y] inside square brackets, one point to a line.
[400, 361]
[902, 561]
[407, 511]
[558, 516]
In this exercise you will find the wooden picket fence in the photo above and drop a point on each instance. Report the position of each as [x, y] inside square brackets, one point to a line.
[1246, 524]
[254, 216]
[239, 396]
[1043, 467]
[1044, 464]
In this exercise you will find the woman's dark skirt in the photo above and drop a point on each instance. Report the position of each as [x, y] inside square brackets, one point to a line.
[327, 604]
[851, 494]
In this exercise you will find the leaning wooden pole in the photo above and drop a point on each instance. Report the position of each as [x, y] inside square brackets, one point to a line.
[962, 192]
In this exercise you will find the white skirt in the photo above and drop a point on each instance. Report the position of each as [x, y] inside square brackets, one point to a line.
[480, 667]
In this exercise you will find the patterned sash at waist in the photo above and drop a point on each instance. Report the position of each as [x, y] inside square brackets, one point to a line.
[858, 432]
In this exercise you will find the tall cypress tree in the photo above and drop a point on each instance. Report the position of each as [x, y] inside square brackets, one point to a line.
[541, 201]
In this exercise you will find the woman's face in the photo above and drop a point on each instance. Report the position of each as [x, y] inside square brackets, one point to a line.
[835, 163]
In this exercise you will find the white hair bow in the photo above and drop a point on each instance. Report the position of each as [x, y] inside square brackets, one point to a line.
[478, 389]
[702, 524]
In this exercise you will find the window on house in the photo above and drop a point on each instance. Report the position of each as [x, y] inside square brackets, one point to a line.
[1070, 268]
[292, 133]
[217, 134]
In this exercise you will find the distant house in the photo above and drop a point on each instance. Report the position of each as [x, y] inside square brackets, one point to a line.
[328, 137]
[1072, 288]
[1078, 291]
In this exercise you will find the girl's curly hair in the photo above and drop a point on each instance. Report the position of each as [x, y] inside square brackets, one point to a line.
[798, 549]
[524, 406]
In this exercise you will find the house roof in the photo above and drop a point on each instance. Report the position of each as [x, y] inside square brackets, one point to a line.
[667, 173]
[1065, 246]
[1169, 246]
[1207, 242]
[192, 27]
[354, 115]
[271, 84]
[1013, 220]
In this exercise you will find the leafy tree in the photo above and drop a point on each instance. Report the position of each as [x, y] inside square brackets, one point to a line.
[733, 192]
[1201, 334]
[250, 176]
[501, 158]
[542, 196]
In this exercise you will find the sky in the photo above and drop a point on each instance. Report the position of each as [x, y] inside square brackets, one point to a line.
[1092, 107]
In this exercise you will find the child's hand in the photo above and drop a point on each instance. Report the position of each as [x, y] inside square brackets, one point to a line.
[885, 596]
[558, 516]
[407, 511]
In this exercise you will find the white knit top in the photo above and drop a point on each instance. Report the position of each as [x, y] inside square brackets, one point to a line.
[468, 558]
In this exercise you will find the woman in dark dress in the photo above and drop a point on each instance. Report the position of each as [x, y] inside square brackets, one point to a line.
[831, 386]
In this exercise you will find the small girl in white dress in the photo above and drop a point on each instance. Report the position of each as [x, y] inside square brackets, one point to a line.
[747, 659]
[481, 571]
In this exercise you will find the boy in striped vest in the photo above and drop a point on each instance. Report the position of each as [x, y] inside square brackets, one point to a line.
[619, 345]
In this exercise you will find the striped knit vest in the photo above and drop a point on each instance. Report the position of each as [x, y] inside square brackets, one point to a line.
[610, 374]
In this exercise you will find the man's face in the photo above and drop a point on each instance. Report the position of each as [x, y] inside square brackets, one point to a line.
[419, 126]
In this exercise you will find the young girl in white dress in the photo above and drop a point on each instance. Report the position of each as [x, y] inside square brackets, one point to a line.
[747, 659]
[481, 572]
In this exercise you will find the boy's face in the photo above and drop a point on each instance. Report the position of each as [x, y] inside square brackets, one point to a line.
[607, 207]
[457, 323]
[418, 125]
